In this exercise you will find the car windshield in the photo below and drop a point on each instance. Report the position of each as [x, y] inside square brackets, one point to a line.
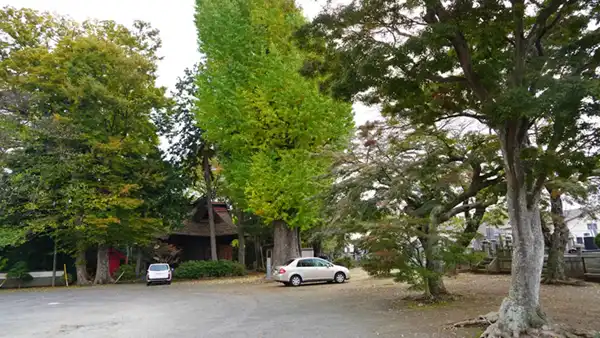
[161, 267]
[288, 262]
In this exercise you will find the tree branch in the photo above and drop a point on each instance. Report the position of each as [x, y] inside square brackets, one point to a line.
[447, 79]
[466, 207]
[436, 13]
[539, 27]
[477, 117]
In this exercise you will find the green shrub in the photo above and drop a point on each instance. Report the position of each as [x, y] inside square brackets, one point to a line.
[3, 263]
[128, 271]
[344, 261]
[201, 269]
[20, 272]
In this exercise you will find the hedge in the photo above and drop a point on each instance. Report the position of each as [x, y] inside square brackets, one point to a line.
[200, 269]
[344, 261]
[128, 271]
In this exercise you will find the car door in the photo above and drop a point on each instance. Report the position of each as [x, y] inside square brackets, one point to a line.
[325, 271]
[308, 269]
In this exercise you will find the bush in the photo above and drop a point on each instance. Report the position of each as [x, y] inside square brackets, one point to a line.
[597, 240]
[344, 261]
[201, 269]
[128, 271]
[20, 272]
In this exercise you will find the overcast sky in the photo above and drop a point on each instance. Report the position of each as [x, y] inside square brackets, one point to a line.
[174, 19]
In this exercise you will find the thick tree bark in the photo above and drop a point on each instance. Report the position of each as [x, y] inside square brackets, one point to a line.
[521, 311]
[317, 247]
[285, 243]
[102, 270]
[138, 262]
[299, 241]
[209, 196]
[241, 239]
[81, 266]
[433, 280]
[555, 268]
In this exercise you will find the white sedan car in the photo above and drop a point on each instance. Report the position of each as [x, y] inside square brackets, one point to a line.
[310, 269]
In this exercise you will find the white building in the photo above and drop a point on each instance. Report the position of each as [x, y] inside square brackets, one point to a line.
[582, 227]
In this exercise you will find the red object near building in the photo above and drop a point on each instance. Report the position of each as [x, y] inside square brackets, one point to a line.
[114, 260]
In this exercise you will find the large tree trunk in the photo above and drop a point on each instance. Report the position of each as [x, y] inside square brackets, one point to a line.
[209, 196]
[317, 247]
[102, 268]
[285, 242]
[138, 262]
[241, 239]
[433, 279]
[81, 265]
[558, 239]
[521, 311]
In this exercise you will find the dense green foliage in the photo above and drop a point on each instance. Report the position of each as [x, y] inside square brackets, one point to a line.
[525, 69]
[419, 196]
[85, 162]
[201, 269]
[597, 240]
[344, 261]
[126, 272]
[19, 271]
[272, 127]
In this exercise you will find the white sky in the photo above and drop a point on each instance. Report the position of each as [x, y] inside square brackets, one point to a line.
[174, 19]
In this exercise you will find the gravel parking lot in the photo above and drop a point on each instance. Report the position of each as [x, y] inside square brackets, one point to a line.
[363, 307]
[191, 310]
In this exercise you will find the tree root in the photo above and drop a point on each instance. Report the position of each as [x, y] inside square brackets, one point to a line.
[481, 321]
[547, 331]
[571, 282]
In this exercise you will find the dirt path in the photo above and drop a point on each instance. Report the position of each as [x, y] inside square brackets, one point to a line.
[477, 294]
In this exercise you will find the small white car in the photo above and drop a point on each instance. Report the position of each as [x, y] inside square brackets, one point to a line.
[310, 269]
[159, 273]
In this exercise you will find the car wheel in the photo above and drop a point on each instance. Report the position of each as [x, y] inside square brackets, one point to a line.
[169, 283]
[148, 283]
[295, 280]
[340, 277]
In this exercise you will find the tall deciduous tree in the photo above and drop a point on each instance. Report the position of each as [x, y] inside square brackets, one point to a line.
[272, 126]
[87, 164]
[189, 151]
[418, 180]
[511, 65]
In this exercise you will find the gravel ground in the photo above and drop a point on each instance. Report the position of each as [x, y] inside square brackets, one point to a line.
[363, 307]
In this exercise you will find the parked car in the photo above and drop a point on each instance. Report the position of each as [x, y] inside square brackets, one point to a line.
[159, 273]
[310, 269]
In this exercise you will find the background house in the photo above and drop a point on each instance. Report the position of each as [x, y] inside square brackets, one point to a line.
[194, 237]
[583, 227]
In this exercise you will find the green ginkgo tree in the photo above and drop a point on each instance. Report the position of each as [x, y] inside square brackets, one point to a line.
[274, 130]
